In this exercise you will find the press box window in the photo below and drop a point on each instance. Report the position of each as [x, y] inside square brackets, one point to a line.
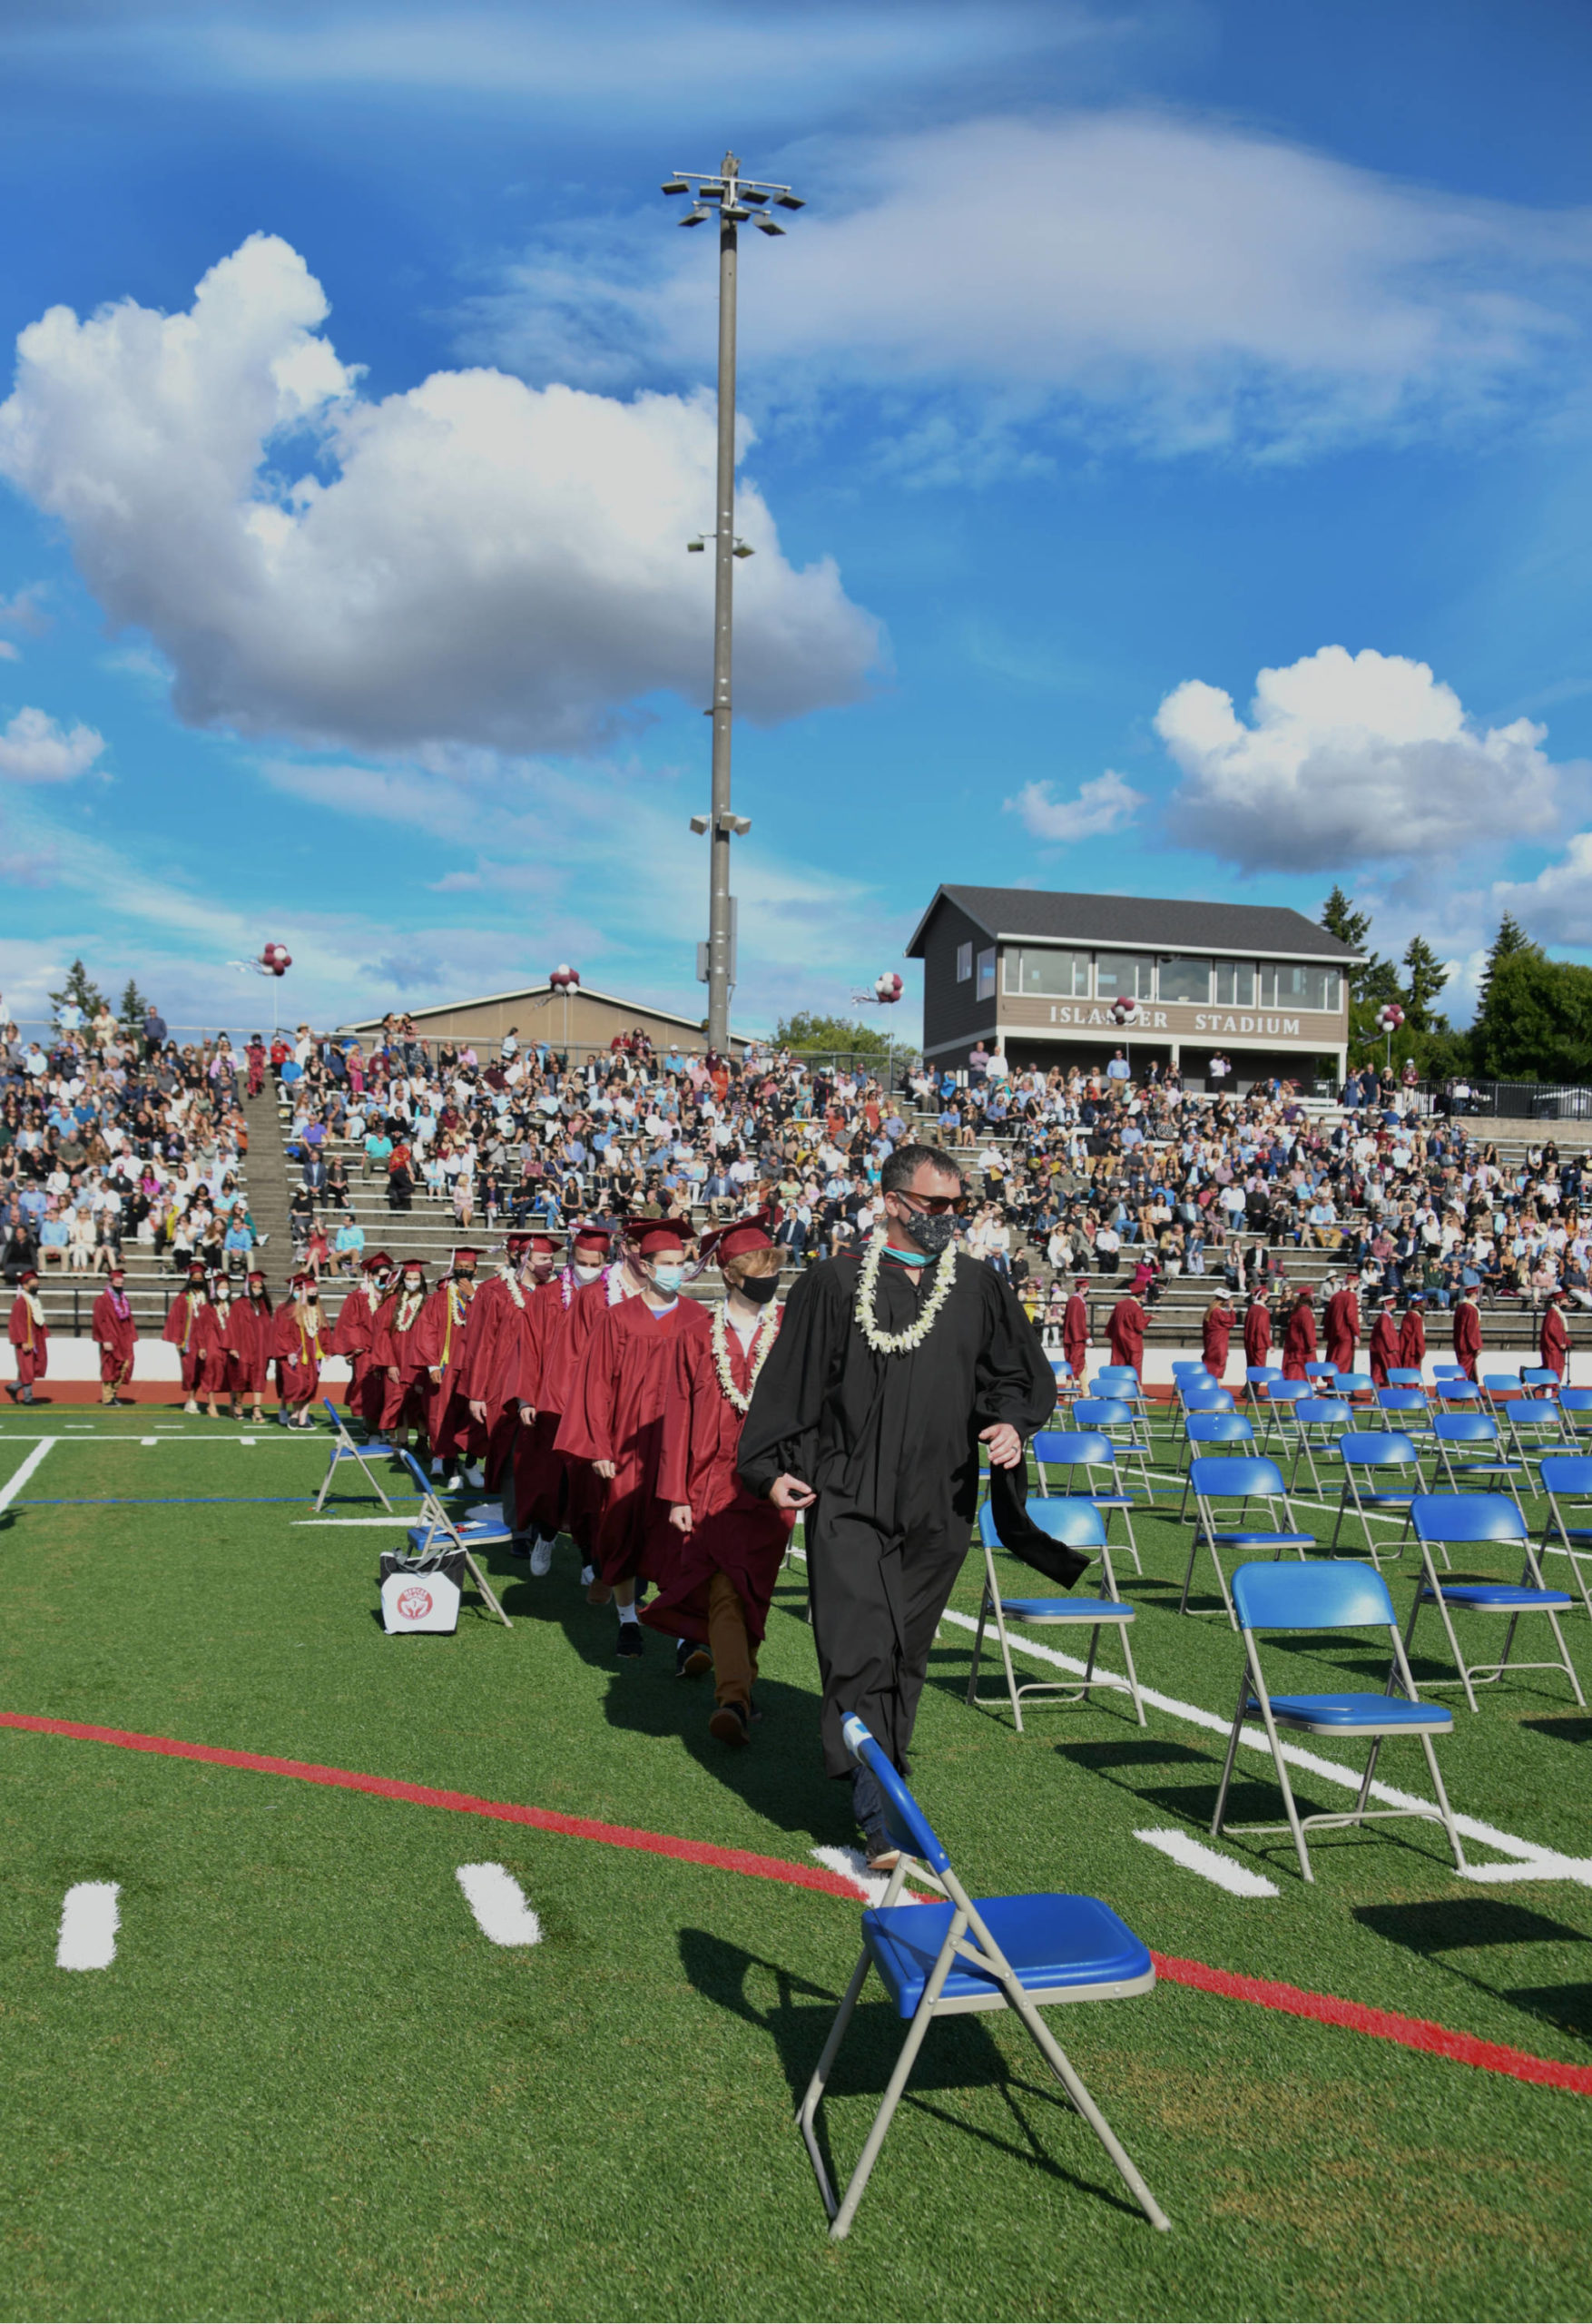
[1235, 984]
[1184, 981]
[1053, 975]
[1294, 984]
[964, 963]
[987, 974]
[1125, 976]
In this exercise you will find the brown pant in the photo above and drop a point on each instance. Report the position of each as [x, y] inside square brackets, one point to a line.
[734, 1656]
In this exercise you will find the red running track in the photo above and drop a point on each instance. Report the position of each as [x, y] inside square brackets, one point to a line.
[1294, 2001]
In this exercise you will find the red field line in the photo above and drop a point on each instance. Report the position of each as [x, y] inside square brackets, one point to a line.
[1325, 2009]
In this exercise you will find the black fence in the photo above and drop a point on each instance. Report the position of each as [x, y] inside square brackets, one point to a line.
[1517, 1101]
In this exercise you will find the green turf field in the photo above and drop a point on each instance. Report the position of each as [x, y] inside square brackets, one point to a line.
[308, 2085]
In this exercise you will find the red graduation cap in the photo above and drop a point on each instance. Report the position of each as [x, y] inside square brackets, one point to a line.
[303, 1281]
[539, 1242]
[658, 1236]
[742, 1235]
[592, 1238]
[375, 1263]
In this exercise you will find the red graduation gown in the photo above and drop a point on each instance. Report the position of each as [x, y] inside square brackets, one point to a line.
[1074, 1334]
[1257, 1334]
[584, 1490]
[1299, 1341]
[733, 1532]
[218, 1375]
[1554, 1346]
[394, 1347]
[1468, 1336]
[183, 1331]
[1126, 1331]
[250, 1336]
[31, 1342]
[1341, 1320]
[615, 1413]
[297, 1347]
[525, 1353]
[439, 1342]
[115, 1333]
[354, 1335]
[1411, 1342]
[1384, 1348]
[1215, 1337]
[492, 1320]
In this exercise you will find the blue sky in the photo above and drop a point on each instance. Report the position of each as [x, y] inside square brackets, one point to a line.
[1166, 444]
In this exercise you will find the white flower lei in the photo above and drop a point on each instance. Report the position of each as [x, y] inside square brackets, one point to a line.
[900, 1342]
[762, 1339]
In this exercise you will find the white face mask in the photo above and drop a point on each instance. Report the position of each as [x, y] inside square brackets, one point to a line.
[668, 1274]
[586, 1272]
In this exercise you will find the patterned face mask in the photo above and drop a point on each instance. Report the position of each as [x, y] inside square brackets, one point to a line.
[931, 1234]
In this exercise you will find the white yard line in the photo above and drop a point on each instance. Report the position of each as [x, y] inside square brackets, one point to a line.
[397, 1518]
[89, 1922]
[1209, 1862]
[498, 1903]
[14, 1484]
[852, 1865]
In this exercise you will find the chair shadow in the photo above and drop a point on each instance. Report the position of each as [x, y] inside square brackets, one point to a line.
[959, 2054]
[1481, 1924]
[1563, 1730]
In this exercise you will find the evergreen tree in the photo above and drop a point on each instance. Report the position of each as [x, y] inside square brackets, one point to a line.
[810, 1032]
[1425, 978]
[135, 1008]
[80, 988]
[1340, 919]
[1511, 938]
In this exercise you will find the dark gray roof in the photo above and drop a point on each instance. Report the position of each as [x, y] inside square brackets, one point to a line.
[1168, 923]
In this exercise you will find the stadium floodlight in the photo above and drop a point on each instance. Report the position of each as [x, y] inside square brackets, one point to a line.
[699, 824]
[740, 202]
[697, 217]
[696, 547]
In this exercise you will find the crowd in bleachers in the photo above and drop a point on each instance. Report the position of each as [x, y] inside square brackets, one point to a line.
[112, 1134]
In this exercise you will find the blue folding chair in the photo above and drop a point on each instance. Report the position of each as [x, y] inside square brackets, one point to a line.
[1194, 1369]
[1474, 1520]
[940, 1960]
[1408, 1412]
[1537, 1424]
[1363, 1452]
[1259, 1377]
[1322, 1372]
[1355, 1385]
[434, 1525]
[1111, 1416]
[1456, 1394]
[1321, 1420]
[1280, 1399]
[1541, 1378]
[1242, 1481]
[1575, 1408]
[1080, 1525]
[1094, 1452]
[1345, 1596]
[1474, 1468]
[1496, 1386]
[1448, 1370]
[1567, 1478]
[1067, 1386]
[1405, 1375]
[1214, 1428]
[344, 1448]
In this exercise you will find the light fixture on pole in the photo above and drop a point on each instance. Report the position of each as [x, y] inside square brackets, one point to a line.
[739, 201]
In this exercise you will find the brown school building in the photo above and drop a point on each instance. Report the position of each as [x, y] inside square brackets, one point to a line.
[1261, 984]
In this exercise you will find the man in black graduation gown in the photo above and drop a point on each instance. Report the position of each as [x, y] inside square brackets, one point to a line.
[879, 1448]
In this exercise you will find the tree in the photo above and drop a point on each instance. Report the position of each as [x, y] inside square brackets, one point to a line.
[1511, 938]
[1538, 1024]
[1426, 977]
[135, 1008]
[810, 1032]
[1340, 919]
[79, 991]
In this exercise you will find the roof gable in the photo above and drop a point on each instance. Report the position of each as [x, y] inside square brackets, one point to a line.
[1161, 924]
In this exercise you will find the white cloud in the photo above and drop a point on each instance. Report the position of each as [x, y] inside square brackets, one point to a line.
[34, 748]
[1185, 285]
[1104, 804]
[1352, 759]
[472, 561]
[1555, 907]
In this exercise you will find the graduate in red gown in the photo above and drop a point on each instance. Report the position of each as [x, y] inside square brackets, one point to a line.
[249, 1338]
[298, 1346]
[30, 1342]
[1384, 1342]
[732, 1544]
[115, 1335]
[1554, 1345]
[1340, 1324]
[1467, 1333]
[621, 1279]
[1413, 1335]
[1125, 1330]
[1215, 1337]
[397, 1357]
[534, 1375]
[354, 1337]
[1257, 1329]
[185, 1330]
[614, 1418]
[1074, 1328]
[457, 1441]
[1299, 1343]
[219, 1370]
[492, 1331]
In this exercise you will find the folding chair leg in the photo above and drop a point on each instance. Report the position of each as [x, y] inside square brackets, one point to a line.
[1194, 1551]
[1558, 1639]
[485, 1586]
[1133, 1547]
[807, 2112]
[1133, 1676]
[978, 1647]
[1442, 1801]
[1233, 1739]
[1222, 1581]
[1376, 1746]
[1287, 1789]
[1089, 1665]
[842, 2225]
[1006, 1656]
[1062, 2067]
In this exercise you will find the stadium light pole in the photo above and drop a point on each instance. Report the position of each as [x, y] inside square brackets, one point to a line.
[739, 201]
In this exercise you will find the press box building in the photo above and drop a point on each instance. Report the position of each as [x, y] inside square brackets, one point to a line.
[1261, 984]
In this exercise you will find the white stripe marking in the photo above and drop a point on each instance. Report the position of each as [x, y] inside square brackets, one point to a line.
[498, 1903]
[852, 1865]
[89, 1922]
[1209, 1862]
[149, 1440]
[14, 1484]
[1547, 1866]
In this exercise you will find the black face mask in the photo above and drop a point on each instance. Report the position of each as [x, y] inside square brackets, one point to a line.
[932, 1234]
[759, 1288]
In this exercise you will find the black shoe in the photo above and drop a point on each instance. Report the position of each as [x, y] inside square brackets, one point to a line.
[691, 1659]
[731, 1724]
[882, 1854]
[520, 1545]
[631, 1641]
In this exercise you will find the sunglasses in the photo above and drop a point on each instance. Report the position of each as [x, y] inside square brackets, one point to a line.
[935, 1206]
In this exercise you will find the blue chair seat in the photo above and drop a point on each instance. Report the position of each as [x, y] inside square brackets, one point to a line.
[473, 1534]
[1366, 1714]
[1389, 1500]
[1499, 1468]
[1500, 1597]
[1267, 1541]
[1057, 1945]
[1069, 1610]
[362, 1452]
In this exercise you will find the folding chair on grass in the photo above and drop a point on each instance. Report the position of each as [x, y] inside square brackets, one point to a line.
[432, 1526]
[1281, 1397]
[1406, 1375]
[1257, 1376]
[942, 1959]
[1110, 1416]
[1448, 1370]
[1456, 1394]
[1471, 1458]
[343, 1448]
[1537, 1425]
[1574, 1409]
[1320, 1419]
[1541, 1378]
[1496, 1386]
[1080, 1525]
[1474, 1519]
[1094, 1452]
[1322, 1373]
[1407, 1411]
[1121, 1387]
[1256, 1479]
[1329, 1597]
[1214, 1428]
[1567, 1477]
[1355, 1385]
[1363, 1451]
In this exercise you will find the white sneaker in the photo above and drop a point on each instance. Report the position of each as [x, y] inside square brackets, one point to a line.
[587, 1573]
[475, 1476]
[437, 1468]
[542, 1556]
